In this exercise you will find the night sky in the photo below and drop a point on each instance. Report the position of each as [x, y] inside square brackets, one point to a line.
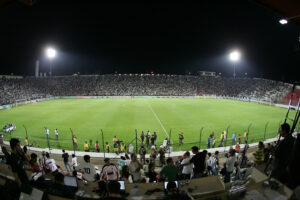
[166, 38]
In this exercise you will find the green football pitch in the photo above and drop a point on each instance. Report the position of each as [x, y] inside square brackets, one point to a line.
[121, 117]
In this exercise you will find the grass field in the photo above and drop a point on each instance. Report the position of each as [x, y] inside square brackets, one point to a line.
[121, 117]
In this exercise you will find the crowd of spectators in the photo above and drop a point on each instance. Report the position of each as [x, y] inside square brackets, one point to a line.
[236, 170]
[28, 88]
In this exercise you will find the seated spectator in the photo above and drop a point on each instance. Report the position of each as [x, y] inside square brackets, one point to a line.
[146, 167]
[151, 173]
[187, 170]
[173, 192]
[34, 166]
[17, 162]
[59, 189]
[242, 161]
[109, 171]
[169, 172]
[113, 188]
[259, 154]
[135, 168]
[87, 169]
[51, 164]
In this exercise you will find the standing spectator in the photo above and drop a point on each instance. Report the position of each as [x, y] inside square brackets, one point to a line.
[130, 149]
[47, 133]
[213, 141]
[155, 138]
[208, 141]
[74, 161]
[65, 157]
[75, 142]
[125, 175]
[17, 161]
[199, 162]
[148, 135]
[135, 168]
[97, 146]
[209, 164]
[233, 137]
[152, 139]
[259, 154]
[237, 149]
[181, 138]
[122, 148]
[86, 147]
[169, 171]
[56, 134]
[246, 146]
[142, 152]
[59, 189]
[246, 136]
[281, 154]
[107, 147]
[109, 171]
[162, 156]
[121, 163]
[87, 169]
[187, 170]
[26, 142]
[240, 139]
[115, 141]
[165, 143]
[221, 139]
[42, 160]
[142, 137]
[229, 166]
[153, 154]
[215, 163]
[51, 164]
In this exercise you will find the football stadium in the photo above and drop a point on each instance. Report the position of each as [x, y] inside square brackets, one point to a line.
[149, 100]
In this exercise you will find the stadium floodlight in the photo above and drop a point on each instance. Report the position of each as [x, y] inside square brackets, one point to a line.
[283, 21]
[50, 53]
[234, 57]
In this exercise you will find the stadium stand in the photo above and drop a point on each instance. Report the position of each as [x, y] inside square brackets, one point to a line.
[29, 88]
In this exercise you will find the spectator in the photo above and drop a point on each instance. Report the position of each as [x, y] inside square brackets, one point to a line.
[246, 146]
[75, 142]
[198, 161]
[59, 189]
[151, 173]
[87, 169]
[146, 167]
[107, 147]
[208, 141]
[259, 154]
[74, 161]
[162, 156]
[130, 149]
[125, 175]
[56, 134]
[113, 188]
[155, 138]
[135, 168]
[229, 166]
[86, 147]
[152, 139]
[148, 136]
[122, 148]
[246, 136]
[65, 157]
[233, 138]
[17, 162]
[51, 164]
[181, 138]
[121, 163]
[237, 149]
[109, 171]
[174, 193]
[142, 137]
[215, 163]
[169, 171]
[42, 160]
[142, 152]
[187, 169]
[97, 146]
[281, 154]
[153, 154]
[34, 166]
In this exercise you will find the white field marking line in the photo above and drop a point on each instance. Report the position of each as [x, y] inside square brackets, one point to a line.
[158, 120]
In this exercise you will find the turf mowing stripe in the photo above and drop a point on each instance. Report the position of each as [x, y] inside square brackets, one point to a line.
[158, 120]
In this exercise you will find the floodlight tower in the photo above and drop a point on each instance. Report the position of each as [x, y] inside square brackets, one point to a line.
[50, 53]
[234, 57]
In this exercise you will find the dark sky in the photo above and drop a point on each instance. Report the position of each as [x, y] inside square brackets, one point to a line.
[138, 38]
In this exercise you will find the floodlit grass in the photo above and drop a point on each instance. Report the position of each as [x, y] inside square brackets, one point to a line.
[121, 117]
